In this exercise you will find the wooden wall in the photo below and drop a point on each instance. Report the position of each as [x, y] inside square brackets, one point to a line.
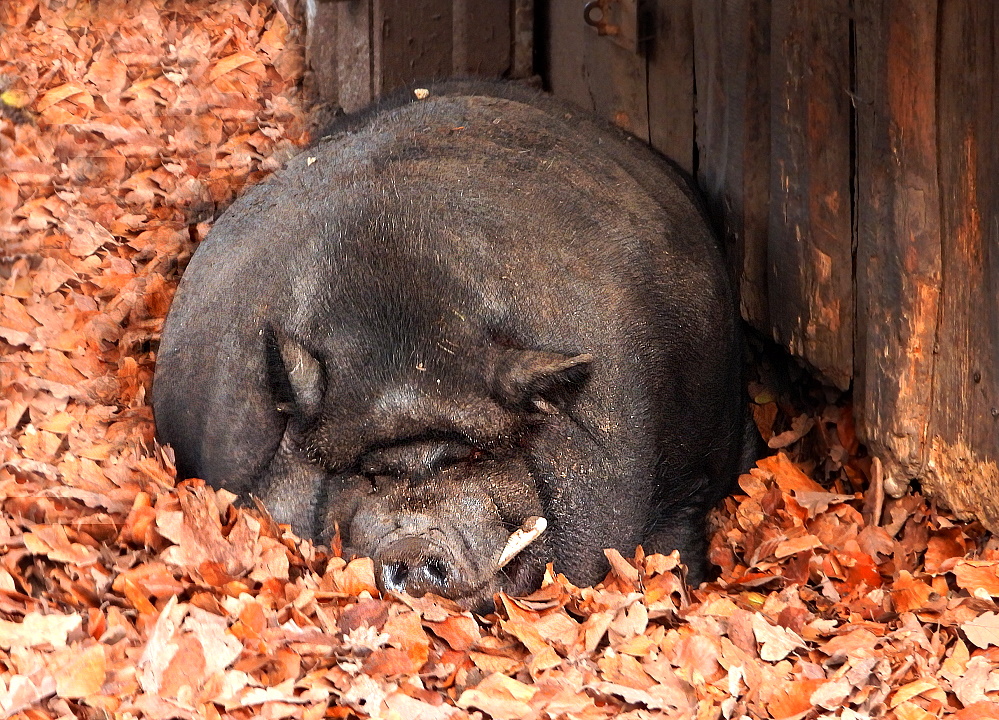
[358, 50]
[848, 150]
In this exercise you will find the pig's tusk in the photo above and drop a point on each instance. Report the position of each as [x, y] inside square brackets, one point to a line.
[521, 538]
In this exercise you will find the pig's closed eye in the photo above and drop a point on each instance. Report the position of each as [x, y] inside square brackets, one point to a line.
[454, 453]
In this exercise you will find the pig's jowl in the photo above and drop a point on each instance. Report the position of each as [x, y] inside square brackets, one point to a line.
[449, 316]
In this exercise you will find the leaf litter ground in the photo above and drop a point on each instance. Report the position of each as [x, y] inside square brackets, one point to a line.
[125, 127]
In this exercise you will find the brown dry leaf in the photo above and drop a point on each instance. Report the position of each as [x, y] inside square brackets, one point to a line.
[800, 426]
[53, 542]
[971, 687]
[696, 659]
[786, 548]
[978, 577]
[196, 531]
[909, 594]
[502, 697]
[79, 673]
[624, 570]
[923, 686]
[983, 630]
[37, 630]
[461, 632]
[792, 697]
[789, 476]
[776, 642]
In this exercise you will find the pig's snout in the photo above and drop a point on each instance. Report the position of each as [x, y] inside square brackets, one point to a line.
[416, 566]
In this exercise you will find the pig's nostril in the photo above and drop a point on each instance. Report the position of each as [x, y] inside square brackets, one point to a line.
[437, 571]
[394, 576]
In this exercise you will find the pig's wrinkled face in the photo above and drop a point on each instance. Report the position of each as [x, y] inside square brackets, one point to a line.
[436, 516]
[429, 473]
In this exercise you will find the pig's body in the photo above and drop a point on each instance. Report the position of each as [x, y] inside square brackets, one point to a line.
[450, 316]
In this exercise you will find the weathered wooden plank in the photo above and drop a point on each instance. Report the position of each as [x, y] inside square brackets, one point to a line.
[810, 252]
[732, 66]
[565, 63]
[482, 38]
[898, 230]
[670, 56]
[594, 72]
[522, 52]
[964, 427]
[410, 42]
[354, 54]
[321, 60]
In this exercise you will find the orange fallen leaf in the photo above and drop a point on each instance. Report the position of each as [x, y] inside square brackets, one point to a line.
[230, 63]
[978, 576]
[502, 697]
[909, 593]
[789, 476]
[792, 697]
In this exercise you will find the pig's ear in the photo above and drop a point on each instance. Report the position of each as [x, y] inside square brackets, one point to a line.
[538, 380]
[296, 376]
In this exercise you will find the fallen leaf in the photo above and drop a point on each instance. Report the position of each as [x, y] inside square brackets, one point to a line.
[983, 630]
[37, 630]
[80, 673]
[502, 697]
[777, 642]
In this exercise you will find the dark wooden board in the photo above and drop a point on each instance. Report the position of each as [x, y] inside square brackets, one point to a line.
[353, 70]
[670, 58]
[898, 229]
[481, 38]
[810, 279]
[732, 66]
[360, 50]
[964, 427]
[410, 42]
[594, 72]
[321, 52]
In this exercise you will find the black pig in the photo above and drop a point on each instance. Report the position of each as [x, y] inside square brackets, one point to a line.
[454, 314]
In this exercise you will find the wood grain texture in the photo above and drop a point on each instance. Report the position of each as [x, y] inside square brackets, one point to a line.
[898, 230]
[320, 81]
[732, 67]
[964, 427]
[481, 38]
[595, 73]
[522, 50]
[810, 254]
[410, 42]
[670, 57]
[354, 54]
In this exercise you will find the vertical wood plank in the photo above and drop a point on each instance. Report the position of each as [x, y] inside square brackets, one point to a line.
[321, 60]
[596, 73]
[411, 41]
[964, 432]
[616, 80]
[732, 68]
[898, 229]
[522, 50]
[566, 74]
[671, 81]
[810, 252]
[482, 39]
[354, 54]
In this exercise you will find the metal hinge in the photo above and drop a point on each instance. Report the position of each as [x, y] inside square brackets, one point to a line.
[618, 20]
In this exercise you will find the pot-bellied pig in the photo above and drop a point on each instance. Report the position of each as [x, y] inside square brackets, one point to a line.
[450, 317]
